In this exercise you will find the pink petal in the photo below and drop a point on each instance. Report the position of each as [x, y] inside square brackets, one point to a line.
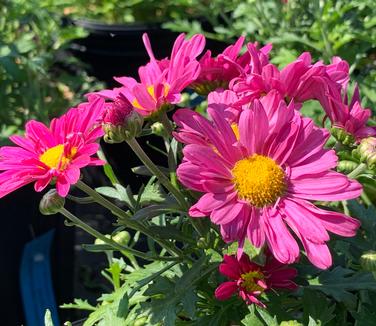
[226, 290]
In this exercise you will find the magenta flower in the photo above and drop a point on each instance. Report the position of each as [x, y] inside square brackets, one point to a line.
[352, 118]
[260, 176]
[217, 72]
[300, 80]
[161, 81]
[55, 153]
[250, 280]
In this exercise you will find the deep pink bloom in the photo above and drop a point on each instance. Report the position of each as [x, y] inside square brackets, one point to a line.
[217, 72]
[116, 112]
[350, 117]
[249, 280]
[55, 153]
[259, 175]
[300, 80]
[161, 81]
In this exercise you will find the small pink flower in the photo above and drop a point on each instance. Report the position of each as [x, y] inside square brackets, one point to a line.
[55, 153]
[161, 81]
[217, 72]
[250, 280]
[300, 80]
[260, 175]
[116, 112]
[350, 117]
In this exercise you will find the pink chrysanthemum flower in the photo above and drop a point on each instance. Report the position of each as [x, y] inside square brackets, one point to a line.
[217, 72]
[352, 118]
[300, 80]
[259, 176]
[161, 81]
[55, 153]
[250, 280]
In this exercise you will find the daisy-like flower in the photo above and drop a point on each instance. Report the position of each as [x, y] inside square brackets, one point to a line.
[55, 153]
[250, 280]
[161, 81]
[259, 177]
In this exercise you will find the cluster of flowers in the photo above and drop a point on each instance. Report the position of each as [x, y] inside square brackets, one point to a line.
[258, 162]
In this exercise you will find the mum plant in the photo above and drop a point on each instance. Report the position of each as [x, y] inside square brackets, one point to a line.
[260, 217]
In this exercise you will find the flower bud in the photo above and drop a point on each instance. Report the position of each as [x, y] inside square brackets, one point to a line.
[346, 166]
[120, 121]
[367, 151]
[342, 136]
[368, 261]
[158, 129]
[290, 323]
[101, 242]
[122, 238]
[51, 203]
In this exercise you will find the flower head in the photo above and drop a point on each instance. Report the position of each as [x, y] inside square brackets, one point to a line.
[161, 81]
[259, 175]
[349, 117]
[120, 120]
[300, 80]
[250, 280]
[54, 153]
[217, 72]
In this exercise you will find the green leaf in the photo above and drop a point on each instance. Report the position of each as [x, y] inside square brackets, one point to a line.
[48, 319]
[266, 317]
[108, 192]
[340, 281]
[151, 211]
[317, 307]
[251, 319]
[78, 304]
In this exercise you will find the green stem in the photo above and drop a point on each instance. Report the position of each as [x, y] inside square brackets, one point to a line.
[163, 179]
[76, 221]
[166, 123]
[358, 170]
[125, 217]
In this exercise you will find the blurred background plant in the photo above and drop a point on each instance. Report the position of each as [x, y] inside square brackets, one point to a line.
[37, 79]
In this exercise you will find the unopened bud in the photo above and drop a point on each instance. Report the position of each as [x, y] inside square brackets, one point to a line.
[51, 203]
[158, 129]
[202, 243]
[367, 151]
[368, 261]
[290, 323]
[346, 166]
[342, 136]
[120, 121]
[122, 238]
[140, 321]
[101, 242]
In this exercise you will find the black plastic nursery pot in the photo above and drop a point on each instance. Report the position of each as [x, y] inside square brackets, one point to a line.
[22, 222]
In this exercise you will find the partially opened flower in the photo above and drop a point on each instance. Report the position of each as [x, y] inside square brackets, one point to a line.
[161, 81]
[55, 153]
[260, 177]
[250, 280]
[300, 80]
[217, 72]
[350, 117]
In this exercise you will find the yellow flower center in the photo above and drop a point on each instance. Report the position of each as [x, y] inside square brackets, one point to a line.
[235, 129]
[150, 89]
[250, 281]
[54, 157]
[259, 180]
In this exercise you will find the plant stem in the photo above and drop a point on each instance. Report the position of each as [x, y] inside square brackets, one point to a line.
[126, 217]
[358, 170]
[76, 221]
[154, 169]
[166, 123]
